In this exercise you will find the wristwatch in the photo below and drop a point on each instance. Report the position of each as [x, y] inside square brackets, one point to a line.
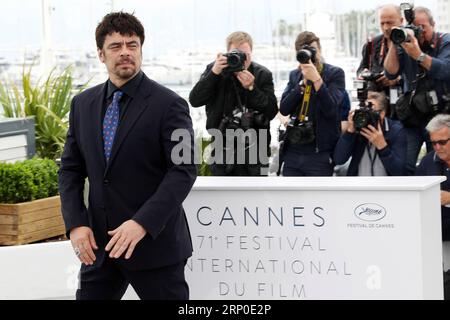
[251, 88]
[421, 58]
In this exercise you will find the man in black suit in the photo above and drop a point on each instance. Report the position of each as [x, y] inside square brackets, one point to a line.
[134, 230]
[240, 102]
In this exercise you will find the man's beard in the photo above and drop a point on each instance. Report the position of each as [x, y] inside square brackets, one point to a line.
[126, 73]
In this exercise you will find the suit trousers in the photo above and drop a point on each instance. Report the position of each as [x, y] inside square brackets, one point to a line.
[308, 165]
[111, 280]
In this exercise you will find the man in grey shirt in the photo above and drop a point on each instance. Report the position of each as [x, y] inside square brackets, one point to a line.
[375, 151]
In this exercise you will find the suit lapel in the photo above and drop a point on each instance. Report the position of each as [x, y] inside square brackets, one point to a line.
[135, 109]
[97, 122]
[298, 77]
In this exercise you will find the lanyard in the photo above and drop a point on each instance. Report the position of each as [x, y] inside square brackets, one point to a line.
[382, 51]
[372, 158]
[371, 52]
[303, 115]
[305, 104]
[238, 96]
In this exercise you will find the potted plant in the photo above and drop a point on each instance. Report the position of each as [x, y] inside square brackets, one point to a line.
[47, 102]
[30, 208]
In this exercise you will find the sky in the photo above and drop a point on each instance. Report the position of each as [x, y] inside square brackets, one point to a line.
[169, 24]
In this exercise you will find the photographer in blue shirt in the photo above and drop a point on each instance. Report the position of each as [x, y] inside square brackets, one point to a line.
[422, 56]
[312, 99]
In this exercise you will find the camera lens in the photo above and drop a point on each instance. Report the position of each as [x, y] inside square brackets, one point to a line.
[236, 61]
[233, 60]
[399, 35]
[364, 117]
[303, 56]
[360, 119]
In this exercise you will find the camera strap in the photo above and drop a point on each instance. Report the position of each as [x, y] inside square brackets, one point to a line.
[383, 50]
[437, 41]
[372, 157]
[303, 108]
[370, 49]
[303, 114]
[238, 96]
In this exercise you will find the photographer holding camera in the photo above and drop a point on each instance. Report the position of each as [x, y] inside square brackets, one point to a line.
[376, 144]
[422, 57]
[239, 95]
[312, 99]
[437, 163]
[374, 53]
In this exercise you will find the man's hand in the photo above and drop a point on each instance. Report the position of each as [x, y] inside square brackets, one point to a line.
[445, 198]
[385, 82]
[246, 79]
[309, 72]
[412, 48]
[125, 237]
[351, 124]
[374, 136]
[219, 64]
[83, 241]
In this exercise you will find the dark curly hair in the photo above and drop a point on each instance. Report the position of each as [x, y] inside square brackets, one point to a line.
[306, 37]
[121, 22]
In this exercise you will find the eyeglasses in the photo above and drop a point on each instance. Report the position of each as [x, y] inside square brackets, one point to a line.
[440, 142]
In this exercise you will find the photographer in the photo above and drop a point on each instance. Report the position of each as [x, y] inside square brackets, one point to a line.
[312, 99]
[437, 163]
[422, 57]
[345, 110]
[238, 94]
[376, 144]
[374, 53]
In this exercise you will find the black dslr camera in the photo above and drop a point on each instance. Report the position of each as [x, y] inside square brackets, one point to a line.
[365, 115]
[446, 102]
[235, 60]
[307, 53]
[400, 35]
[371, 78]
[243, 118]
[240, 119]
[300, 132]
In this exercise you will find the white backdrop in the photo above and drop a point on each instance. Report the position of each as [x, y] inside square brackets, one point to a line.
[270, 238]
[321, 238]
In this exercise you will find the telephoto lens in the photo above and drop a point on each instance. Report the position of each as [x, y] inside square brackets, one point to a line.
[306, 54]
[399, 36]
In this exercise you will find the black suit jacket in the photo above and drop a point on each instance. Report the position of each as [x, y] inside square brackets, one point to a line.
[140, 182]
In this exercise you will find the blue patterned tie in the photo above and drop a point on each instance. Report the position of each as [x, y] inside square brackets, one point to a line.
[110, 124]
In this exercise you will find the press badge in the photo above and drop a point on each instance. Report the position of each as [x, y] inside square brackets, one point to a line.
[393, 95]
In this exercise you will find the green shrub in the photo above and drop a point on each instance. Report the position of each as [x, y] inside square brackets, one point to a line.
[28, 180]
[48, 102]
[204, 169]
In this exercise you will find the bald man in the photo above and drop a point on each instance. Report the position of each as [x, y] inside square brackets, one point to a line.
[375, 51]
